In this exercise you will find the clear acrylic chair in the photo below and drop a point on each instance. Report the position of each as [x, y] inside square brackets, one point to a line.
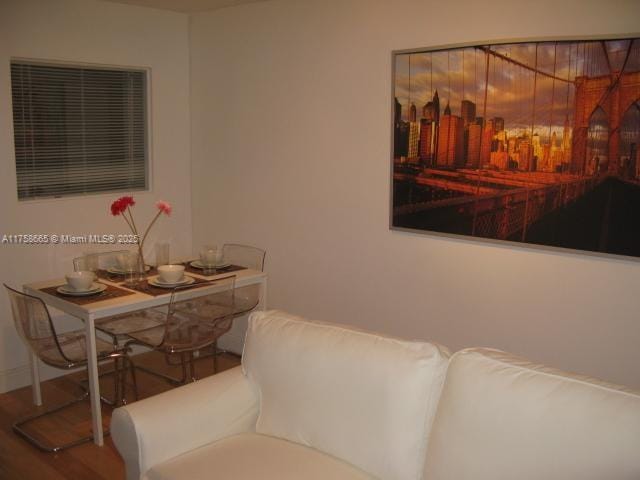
[109, 263]
[247, 297]
[65, 351]
[244, 256]
[190, 322]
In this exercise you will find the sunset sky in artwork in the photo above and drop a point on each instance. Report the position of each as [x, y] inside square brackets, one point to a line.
[460, 73]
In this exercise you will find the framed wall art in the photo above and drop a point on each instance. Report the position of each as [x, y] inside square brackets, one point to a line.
[535, 142]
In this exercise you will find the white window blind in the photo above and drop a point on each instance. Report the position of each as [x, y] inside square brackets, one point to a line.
[78, 130]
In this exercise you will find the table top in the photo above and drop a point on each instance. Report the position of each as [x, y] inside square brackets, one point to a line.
[127, 303]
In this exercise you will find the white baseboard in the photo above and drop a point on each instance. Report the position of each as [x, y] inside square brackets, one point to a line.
[20, 377]
[14, 378]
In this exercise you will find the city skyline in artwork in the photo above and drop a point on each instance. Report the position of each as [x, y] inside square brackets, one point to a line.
[513, 135]
[460, 74]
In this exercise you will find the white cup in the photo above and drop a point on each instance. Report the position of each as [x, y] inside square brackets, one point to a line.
[80, 281]
[171, 273]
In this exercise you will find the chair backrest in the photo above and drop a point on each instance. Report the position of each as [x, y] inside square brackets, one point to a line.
[34, 326]
[99, 260]
[195, 321]
[244, 256]
[246, 298]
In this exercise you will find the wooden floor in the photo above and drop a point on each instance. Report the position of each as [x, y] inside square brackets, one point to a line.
[20, 460]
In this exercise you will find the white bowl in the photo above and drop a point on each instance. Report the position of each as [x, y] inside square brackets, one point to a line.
[171, 273]
[80, 281]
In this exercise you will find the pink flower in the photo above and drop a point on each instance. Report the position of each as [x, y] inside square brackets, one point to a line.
[164, 207]
[121, 204]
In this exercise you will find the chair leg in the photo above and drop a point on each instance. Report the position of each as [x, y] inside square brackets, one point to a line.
[172, 380]
[215, 357]
[134, 381]
[17, 427]
[167, 359]
[84, 384]
[192, 367]
[118, 379]
[183, 362]
[214, 352]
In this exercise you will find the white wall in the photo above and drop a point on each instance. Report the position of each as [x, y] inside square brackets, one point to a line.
[104, 33]
[291, 135]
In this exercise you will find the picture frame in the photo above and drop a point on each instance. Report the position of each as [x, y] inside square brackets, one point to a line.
[531, 142]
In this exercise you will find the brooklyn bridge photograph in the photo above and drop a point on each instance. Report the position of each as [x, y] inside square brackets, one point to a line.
[532, 142]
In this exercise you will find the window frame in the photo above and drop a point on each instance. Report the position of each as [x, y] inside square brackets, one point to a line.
[148, 136]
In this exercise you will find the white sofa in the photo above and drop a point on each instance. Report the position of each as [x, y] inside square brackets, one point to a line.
[319, 401]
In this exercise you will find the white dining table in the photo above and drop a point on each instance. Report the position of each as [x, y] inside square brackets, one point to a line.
[90, 312]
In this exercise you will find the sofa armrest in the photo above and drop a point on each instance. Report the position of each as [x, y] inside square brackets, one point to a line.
[158, 428]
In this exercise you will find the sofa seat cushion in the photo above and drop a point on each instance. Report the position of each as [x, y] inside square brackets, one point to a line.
[250, 456]
[364, 398]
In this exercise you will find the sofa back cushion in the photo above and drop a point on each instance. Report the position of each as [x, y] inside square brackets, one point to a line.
[500, 417]
[364, 398]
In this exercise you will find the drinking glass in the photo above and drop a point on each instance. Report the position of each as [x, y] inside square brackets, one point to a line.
[162, 253]
[208, 256]
[131, 264]
[91, 261]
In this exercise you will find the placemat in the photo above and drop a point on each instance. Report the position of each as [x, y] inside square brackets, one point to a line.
[108, 294]
[119, 277]
[146, 287]
[218, 271]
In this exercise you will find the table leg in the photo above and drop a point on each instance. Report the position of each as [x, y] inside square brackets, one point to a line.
[94, 385]
[35, 379]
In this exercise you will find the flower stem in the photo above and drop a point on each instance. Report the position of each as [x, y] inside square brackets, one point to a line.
[133, 223]
[150, 225]
[129, 223]
[134, 230]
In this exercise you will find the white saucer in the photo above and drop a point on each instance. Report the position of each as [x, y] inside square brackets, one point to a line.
[201, 266]
[119, 271]
[95, 288]
[156, 282]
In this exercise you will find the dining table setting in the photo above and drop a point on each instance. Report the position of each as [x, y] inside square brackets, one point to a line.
[87, 286]
[97, 289]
